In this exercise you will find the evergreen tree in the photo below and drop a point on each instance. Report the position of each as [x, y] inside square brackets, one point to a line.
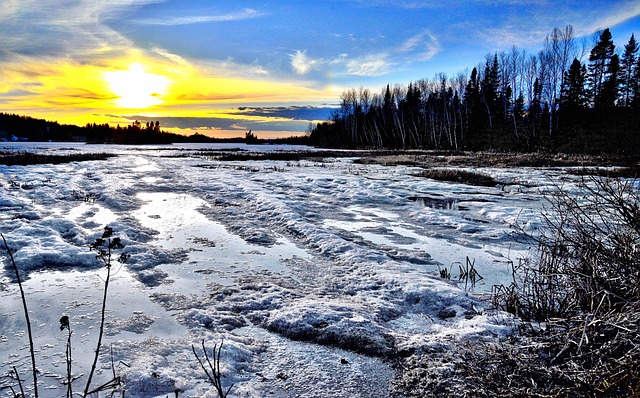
[535, 108]
[518, 114]
[490, 88]
[635, 86]
[610, 87]
[473, 102]
[573, 96]
[599, 60]
[627, 71]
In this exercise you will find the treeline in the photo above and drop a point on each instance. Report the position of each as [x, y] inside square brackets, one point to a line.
[17, 127]
[512, 101]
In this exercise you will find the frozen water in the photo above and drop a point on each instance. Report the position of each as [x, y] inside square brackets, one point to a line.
[315, 274]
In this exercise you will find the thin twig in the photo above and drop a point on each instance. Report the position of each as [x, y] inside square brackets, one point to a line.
[95, 358]
[26, 317]
[19, 381]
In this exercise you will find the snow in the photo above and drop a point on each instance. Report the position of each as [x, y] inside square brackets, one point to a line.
[314, 274]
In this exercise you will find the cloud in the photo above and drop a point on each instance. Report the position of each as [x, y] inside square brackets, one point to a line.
[176, 59]
[302, 64]
[611, 17]
[226, 123]
[530, 26]
[71, 28]
[423, 45]
[420, 47]
[305, 113]
[246, 14]
[370, 65]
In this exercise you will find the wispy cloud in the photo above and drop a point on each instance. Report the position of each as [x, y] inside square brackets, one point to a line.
[423, 45]
[367, 65]
[531, 26]
[247, 13]
[418, 48]
[613, 16]
[370, 65]
[64, 27]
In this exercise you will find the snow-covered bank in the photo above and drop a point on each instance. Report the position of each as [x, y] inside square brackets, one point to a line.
[316, 274]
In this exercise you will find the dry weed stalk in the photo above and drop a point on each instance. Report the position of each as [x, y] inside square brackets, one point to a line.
[212, 369]
[26, 317]
[104, 247]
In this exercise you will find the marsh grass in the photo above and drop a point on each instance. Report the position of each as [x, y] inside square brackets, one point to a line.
[616, 172]
[9, 158]
[28, 322]
[459, 176]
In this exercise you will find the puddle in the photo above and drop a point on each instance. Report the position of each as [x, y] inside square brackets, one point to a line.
[143, 165]
[439, 203]
[492, 262]
[89, 211]
[77, 295]
[214, 255]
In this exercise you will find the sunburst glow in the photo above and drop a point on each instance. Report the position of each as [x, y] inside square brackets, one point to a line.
[136, 88]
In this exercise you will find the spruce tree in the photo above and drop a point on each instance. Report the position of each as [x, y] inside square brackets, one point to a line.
[635, 86]
[610, 87]
[599, 60]
[573, 96]
[628, 65]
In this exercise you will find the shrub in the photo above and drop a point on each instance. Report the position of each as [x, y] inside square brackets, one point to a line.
[585, 286]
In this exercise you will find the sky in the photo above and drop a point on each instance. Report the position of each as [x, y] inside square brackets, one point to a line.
[223, 68]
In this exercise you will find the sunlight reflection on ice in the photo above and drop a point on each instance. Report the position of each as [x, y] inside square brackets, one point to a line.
[215, 255]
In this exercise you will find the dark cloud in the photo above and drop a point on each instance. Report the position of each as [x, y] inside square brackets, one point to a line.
[297, 119]
[216, 123]
[306, 113]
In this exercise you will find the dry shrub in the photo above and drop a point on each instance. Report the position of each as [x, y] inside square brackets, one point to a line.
[579, 305]
[584, 286]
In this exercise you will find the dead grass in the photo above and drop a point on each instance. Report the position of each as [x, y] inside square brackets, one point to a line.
[493, 159]
[8, 158]
[459, 176]
[615, 172]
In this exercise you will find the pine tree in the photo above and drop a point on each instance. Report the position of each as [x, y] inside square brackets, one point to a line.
[599, 60]
[573, 96]
[473, 102]
[611, 85]
[635, 86]
[627, 71]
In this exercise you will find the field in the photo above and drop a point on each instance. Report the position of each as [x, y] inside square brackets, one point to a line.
[320, 272]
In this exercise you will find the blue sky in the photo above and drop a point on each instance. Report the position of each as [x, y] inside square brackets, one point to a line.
[265, 65]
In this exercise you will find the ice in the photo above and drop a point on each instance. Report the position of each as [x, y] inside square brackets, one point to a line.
[314, 274]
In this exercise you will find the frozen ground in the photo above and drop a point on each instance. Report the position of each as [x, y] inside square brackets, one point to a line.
[316, 274]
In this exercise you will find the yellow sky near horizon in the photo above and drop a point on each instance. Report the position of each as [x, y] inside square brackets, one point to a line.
[72, 92]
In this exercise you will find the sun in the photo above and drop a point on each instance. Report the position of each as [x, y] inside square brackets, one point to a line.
[136, 88]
